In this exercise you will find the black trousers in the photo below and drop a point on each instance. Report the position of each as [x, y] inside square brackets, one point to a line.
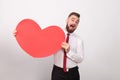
[59, 74]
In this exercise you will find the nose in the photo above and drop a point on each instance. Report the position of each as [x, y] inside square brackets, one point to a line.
[74, 23]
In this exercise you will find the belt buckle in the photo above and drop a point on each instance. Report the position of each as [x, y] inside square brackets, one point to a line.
[67, 69]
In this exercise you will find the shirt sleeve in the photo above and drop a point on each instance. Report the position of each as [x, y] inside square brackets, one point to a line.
[77, 56]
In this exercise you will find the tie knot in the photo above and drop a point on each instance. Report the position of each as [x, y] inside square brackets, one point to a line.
[68, 34]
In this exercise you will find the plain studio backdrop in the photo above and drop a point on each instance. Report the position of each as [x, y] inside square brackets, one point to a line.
[99, 28]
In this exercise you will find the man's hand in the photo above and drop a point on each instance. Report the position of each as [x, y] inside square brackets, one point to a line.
[15, 32]
[66, 47]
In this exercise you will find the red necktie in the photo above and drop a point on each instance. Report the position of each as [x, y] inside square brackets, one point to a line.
[65, 56]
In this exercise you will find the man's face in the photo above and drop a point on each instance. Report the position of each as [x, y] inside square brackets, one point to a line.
[72, 23]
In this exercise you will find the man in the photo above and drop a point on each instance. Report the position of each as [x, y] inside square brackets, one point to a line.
[66, 60]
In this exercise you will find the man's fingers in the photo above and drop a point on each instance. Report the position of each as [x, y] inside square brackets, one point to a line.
[66, 46]
[15, 32]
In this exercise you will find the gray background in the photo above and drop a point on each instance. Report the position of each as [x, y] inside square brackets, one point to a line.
[99, 28]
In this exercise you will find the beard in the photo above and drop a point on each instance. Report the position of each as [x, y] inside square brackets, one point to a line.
[69, 30]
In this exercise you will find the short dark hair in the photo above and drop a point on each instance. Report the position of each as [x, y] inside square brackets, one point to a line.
[74, 13]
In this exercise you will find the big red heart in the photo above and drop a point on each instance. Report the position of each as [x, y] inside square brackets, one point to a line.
[37, 42]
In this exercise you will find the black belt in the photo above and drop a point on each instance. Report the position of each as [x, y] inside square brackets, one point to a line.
[68, 69]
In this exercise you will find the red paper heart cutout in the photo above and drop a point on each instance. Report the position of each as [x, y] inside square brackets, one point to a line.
[37, 42]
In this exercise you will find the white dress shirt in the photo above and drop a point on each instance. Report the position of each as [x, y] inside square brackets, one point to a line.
[74, 56]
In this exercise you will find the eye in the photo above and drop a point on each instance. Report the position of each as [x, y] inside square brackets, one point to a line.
[77, 22]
